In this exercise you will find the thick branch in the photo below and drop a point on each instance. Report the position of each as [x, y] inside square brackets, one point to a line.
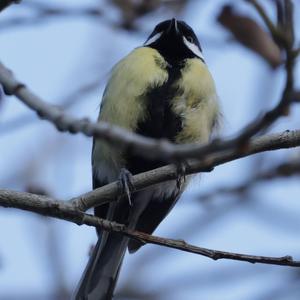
[62, 210]
[217, 152]
[163, 149]
[107, 193]
[115, 135]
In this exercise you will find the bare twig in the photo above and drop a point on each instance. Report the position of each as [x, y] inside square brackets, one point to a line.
[213, 154]
[136, 143]
[68, 101]
[109, 192]
[282, 107]
[284, 170]
[162, 148]
[62, 210]
[64, 122]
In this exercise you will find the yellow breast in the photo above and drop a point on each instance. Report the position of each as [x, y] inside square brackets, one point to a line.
[196, 102]
[122, 105]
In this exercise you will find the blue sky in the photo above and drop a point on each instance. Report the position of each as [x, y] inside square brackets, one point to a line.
[55, 58]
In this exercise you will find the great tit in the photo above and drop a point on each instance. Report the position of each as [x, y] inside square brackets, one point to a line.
[162, 90]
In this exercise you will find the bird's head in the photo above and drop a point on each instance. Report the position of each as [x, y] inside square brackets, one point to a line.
[175, 41]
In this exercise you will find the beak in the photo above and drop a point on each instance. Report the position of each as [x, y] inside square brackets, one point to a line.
[173, 27]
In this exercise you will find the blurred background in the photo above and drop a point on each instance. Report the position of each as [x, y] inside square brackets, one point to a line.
[64, 51]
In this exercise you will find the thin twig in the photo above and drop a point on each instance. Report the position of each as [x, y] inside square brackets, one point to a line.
[162, 148]
[217, 152]
[62, 210]
[152, 148]
[284, 170]
[109, 192]
[136, 143]
[65, 103]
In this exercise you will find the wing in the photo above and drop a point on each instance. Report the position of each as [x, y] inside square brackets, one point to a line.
[100, 211]
[123, 102]
[158, 207]
[195, 101]
[123, 105]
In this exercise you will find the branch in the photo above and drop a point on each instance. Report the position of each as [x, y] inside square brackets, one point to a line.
[58, 209]
[216, 153]
[283, 38]
[149, 147]
[284, 170]
[68, 101]
[108, 193]
[67, 123]
[163, 149]
[114, 135]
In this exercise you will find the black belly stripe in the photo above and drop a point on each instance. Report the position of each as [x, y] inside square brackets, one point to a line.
[161, 121]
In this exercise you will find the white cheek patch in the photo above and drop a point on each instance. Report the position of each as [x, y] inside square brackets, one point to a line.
[194, 48]
[153, 39]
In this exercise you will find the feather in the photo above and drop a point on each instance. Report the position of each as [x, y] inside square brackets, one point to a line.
[157, 97]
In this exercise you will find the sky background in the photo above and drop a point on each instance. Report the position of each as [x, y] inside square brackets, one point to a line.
[56, 57]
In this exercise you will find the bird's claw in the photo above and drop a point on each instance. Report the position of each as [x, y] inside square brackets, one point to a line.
[181, 173]
[125, 179]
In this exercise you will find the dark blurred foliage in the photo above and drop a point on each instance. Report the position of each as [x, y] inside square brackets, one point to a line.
[131, 10]
[251, 35]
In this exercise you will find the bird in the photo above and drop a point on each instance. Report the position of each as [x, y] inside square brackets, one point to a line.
[162, 90]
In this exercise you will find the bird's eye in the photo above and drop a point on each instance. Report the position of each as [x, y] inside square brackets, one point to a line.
[190, 39]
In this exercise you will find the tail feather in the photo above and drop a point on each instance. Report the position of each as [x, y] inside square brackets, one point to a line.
[101, 274]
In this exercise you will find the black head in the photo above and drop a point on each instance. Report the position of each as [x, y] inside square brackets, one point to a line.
[175, 41]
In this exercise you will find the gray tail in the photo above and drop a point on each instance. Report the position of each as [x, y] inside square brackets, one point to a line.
[101, 274]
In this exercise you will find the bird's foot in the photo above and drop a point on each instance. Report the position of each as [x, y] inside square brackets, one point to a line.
[181, 173]
[125, 179]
